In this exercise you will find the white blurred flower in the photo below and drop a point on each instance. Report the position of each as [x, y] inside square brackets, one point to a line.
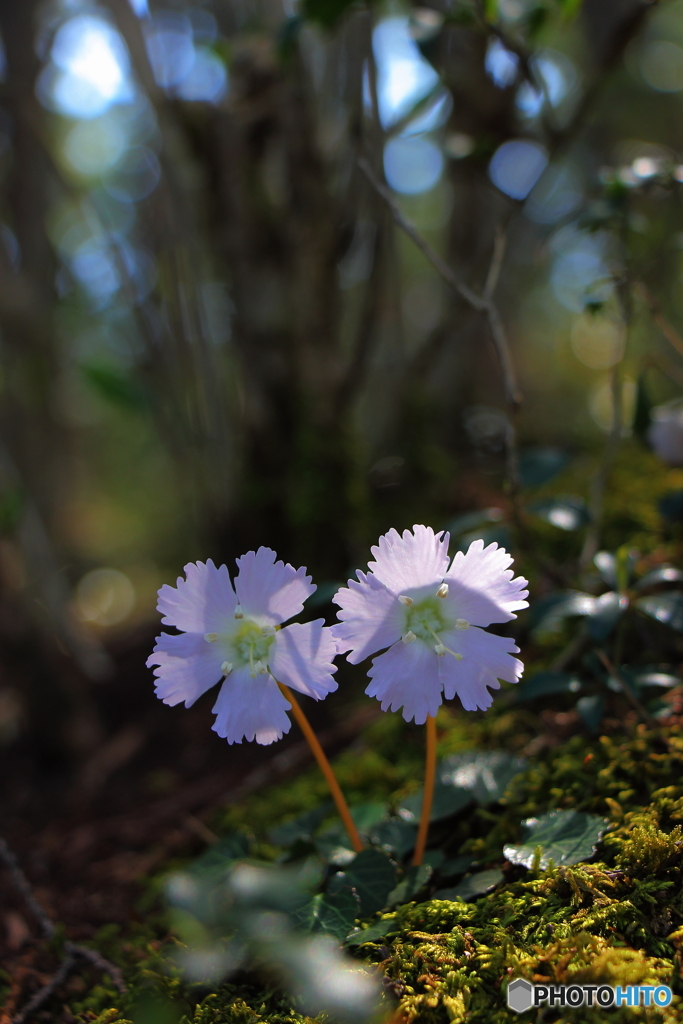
[665, 433]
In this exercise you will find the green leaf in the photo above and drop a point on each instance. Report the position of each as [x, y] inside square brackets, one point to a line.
[396, 835]
[665, 608]
[373, 876]
[607, 611]
[301, 827]
[12, 504]
[499, 535]
[606, 564]
[455, 866]
[412, 882]
[331, 913]
[447, 800]
[548, 613]
[116, 387]
[542, 684]
[671, 507]
[376, 931]
[591, 709]
[538, 465]
[473, 520]
[660, 576]
[565, 837]
[484, 774]
[325, 12]
[471, 886]
[566, 512]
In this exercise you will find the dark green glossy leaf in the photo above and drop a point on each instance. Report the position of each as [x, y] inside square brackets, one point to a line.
[396, 835]
[592, 709]
[331, 913]
[607, 611]
[671, 507]
[471, 886]
[326, 12]
[666, 608]
[542, 684]
[455, 866]
[484, 774]
[368, 817]
[548, 613]
[659, 679]
[566, 512]
[499, 535]
[538, 465]
[410, 885]
[474, 520]
[606, 564]
[379, 930]
[301, 827]
[447, 800]
[565, 837]
[373, 876]
[658, 577]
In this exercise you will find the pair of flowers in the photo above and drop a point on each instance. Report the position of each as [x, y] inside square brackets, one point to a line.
[427, 615]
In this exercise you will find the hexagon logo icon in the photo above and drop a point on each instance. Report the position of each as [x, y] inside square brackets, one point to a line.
[520, 995]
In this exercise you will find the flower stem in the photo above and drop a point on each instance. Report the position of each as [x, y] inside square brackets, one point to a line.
[325, 768]
[430, 778]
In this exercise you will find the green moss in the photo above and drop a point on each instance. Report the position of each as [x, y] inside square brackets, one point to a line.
[618, 921]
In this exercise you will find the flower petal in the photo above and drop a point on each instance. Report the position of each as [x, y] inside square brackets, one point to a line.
[486, 658]
[269, 589]
[370, 616]
[481, 588]
[302, 658]
[407, 675]
[250, 709]
[413, 560]
[201, 602]
[186, 667]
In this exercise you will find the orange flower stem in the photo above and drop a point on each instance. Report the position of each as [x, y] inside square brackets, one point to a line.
[325, 768]
[430, 778]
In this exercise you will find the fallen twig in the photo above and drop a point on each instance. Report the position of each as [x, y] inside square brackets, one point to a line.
[72, 950]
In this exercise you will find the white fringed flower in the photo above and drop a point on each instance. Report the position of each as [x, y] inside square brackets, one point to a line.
[431, 616]
[238, 634]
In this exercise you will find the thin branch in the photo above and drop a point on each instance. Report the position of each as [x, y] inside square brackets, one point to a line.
[642, 711]
[481, 303]
[22, 883]
[42, 995]
[496, 266]
[100, 962]
[665, 326]
[73, 950]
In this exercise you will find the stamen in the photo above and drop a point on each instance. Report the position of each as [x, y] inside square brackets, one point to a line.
[211, 637]
[226, 668]
[252, 669]
[268, 631]
[404, 599]
[408, 637]
[443, 590]
[239, 614]
[440, 647]
[261, 669]
[462, 624]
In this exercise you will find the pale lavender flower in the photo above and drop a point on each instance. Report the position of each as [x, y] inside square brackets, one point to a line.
[238, 635]
[430, 617]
